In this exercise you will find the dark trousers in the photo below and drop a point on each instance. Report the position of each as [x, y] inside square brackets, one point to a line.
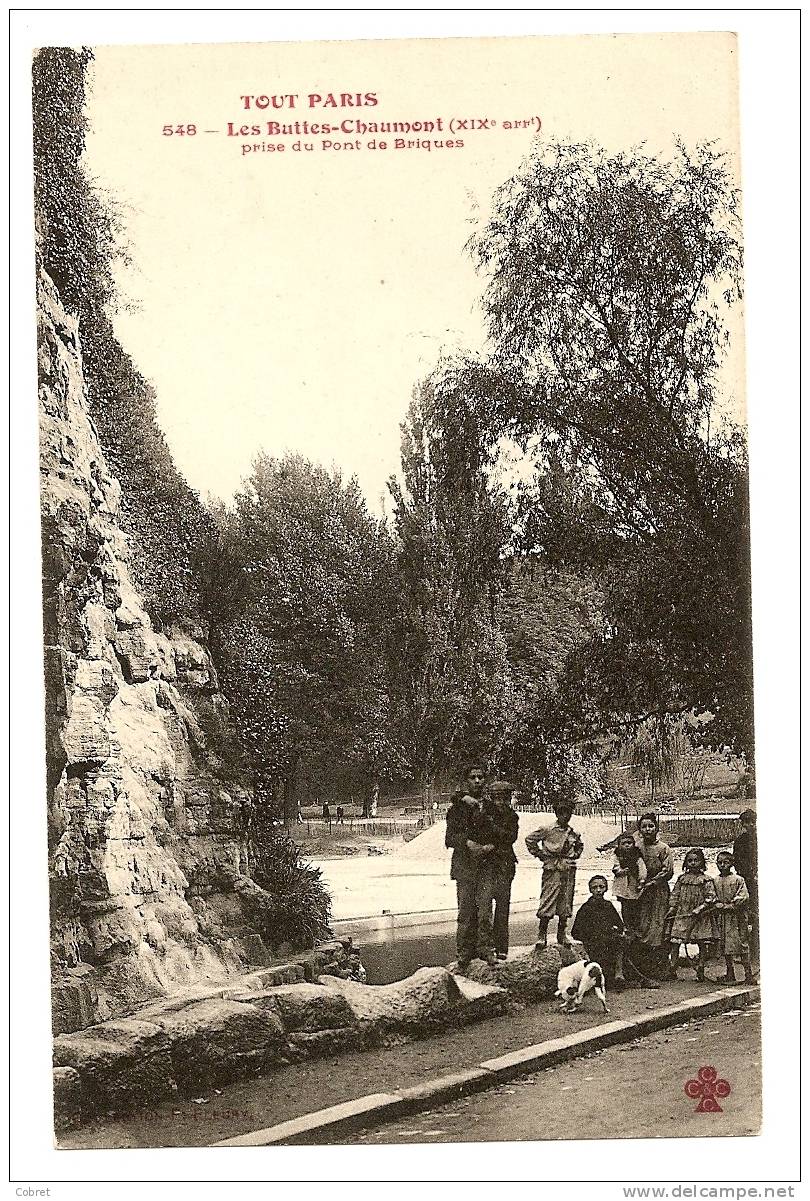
[474, 931]
[753, 914]
[604, 953]
[502, 894]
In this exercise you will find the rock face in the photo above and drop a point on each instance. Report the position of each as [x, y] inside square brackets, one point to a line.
[146, 834]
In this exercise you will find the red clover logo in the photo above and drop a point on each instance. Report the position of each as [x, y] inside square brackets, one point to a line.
[707, 1088]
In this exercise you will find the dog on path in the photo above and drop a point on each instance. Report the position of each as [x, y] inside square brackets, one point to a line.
[579, 978]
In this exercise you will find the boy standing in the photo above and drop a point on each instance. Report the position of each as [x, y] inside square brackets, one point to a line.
[557, 847]
[732, 903]
[469, 834]
[505, 831]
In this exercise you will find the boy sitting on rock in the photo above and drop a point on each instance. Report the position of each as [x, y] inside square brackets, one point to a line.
[598, 925]
[557, 847]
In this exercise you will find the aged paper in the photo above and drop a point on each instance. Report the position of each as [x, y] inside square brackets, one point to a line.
[304, 232]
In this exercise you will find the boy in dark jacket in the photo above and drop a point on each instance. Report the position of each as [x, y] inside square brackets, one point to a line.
[598, 925]
[505, 831]
[471, 837]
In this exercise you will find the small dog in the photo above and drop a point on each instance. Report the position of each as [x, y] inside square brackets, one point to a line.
[574, 981]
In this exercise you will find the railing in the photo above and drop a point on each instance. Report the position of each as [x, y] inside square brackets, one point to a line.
[689, 830]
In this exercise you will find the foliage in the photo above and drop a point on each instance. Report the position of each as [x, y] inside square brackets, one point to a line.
[300, 611]
[655, 750]
[78, 233]
[546, 616]
[80, 241]
[449, 676]
[608, 276]
[299, 905]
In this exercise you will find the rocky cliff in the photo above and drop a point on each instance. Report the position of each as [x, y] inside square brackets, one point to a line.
[145, 828]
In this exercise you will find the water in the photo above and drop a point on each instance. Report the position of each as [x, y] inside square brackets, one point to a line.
[390, 955]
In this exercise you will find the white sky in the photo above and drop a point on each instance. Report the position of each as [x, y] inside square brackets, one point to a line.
[291, 301]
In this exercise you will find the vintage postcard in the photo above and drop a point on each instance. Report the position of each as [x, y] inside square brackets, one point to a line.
[397, 592]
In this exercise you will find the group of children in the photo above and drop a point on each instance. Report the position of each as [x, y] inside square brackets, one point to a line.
[655, 923]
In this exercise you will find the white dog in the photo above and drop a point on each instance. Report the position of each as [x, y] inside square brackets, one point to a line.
[574, 981]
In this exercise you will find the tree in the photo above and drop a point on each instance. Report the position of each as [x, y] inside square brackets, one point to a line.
[655, 751]
[546, 615]
[608, 277]
[302, 649]
[449, 672]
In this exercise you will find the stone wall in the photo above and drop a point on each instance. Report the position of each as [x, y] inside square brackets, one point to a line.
[145, 827]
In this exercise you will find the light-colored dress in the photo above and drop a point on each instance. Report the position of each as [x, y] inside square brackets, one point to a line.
[627, 881]
[732, 923]
[652, 908]
[689, 891]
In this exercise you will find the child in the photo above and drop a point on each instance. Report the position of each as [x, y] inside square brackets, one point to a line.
[629, 876]
[470, 835]
[558, 847]
[691, 912]
[505, 831]
[600, 928]
[732, 903]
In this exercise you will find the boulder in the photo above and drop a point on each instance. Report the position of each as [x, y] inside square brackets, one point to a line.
[73, 999]
[122, 1064]
[329, 1042]
[305, 1008]
[527, 975]
[429, 998]
[219, 1039]
[68, 1098]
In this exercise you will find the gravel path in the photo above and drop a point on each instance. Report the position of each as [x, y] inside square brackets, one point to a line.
[631, 1091]
[316, 1084]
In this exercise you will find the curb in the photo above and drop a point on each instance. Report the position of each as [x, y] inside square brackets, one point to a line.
[416, 918]
[378, 1108]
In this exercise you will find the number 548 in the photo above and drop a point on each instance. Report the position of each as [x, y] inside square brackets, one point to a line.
[179, 130]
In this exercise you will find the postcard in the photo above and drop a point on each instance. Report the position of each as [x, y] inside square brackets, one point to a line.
[399, 684]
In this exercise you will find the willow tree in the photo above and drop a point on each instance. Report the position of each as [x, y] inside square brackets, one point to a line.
[610, 279]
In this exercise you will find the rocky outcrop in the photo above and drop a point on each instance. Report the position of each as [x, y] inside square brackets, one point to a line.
[146, 829]
[194, 1041]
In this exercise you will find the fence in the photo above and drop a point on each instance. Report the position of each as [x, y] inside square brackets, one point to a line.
[691, 830]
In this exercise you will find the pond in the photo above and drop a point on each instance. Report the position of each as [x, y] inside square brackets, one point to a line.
[390, 955]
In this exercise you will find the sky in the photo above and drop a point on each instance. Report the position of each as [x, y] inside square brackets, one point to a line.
[290, 300]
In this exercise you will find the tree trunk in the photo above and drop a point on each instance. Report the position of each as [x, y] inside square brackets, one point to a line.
[427, 801]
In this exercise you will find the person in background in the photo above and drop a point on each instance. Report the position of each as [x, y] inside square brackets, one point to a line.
[745, 862]
[691, 912]
[558, 847]
[505, 826]
[598, 926]
[339, 815]
[327, 815]
[470, 836]
[732, 903]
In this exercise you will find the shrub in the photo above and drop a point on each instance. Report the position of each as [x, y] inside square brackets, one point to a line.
[300, 906]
